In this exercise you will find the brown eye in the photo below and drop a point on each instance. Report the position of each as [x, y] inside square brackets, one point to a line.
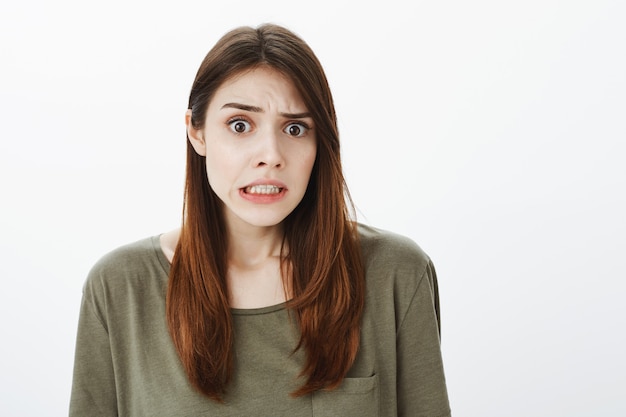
[296, 129]
[239, 126]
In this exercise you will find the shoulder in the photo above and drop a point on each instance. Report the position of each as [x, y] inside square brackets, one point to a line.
[398, 274]
[395, 266]
[385, 248]
[126, 267]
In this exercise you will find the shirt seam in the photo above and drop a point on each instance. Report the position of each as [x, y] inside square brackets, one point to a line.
[413, 297]
[92, 309]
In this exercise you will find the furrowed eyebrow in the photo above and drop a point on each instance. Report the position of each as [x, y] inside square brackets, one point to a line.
[256, 109]
[296, 115]
[245, 107]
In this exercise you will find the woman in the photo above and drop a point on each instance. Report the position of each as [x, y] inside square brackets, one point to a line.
[269, 300]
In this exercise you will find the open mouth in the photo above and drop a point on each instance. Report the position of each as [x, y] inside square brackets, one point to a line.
[262, 189]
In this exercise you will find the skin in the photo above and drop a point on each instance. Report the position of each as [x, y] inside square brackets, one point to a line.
[257, 132]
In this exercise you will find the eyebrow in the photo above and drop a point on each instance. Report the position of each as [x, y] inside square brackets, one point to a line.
[255, 109]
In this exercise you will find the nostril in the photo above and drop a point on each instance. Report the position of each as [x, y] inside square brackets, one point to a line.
[262, 164]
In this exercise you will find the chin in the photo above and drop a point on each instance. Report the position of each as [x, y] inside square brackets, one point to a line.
[268, 220]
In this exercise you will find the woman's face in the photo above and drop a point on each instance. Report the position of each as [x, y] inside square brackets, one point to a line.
[260, 146]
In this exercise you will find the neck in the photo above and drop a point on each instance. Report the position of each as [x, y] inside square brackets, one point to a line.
[250, 246]
[255, 274]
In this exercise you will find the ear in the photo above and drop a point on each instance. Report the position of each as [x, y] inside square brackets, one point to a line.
[196, 136]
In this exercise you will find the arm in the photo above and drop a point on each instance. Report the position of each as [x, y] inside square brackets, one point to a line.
[93, 385]
[421, 384]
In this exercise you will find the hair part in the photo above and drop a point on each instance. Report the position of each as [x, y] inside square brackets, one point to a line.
[323, 256]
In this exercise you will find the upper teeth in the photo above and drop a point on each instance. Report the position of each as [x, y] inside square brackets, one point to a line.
[263, 189]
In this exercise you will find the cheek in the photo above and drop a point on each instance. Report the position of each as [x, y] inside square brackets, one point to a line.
[310, 160]
[218, 157]
[211, 165]
[216, 170]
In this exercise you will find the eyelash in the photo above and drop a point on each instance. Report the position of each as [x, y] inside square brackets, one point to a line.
[303, 125]
[230, 122]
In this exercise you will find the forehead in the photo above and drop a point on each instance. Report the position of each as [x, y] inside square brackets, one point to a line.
[261, 86]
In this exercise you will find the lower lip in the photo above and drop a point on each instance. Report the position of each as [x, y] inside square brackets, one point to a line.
[263, 198]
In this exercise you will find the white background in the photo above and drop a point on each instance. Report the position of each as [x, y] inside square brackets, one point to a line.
[490, 132]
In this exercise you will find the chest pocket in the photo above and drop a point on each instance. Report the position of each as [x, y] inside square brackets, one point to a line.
[355, 397]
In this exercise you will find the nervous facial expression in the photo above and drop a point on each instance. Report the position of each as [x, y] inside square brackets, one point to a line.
[260, 146]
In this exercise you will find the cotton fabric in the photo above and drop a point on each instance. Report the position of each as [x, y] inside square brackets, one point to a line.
[126, 364]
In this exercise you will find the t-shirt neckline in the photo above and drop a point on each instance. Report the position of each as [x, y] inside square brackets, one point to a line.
[165, 264]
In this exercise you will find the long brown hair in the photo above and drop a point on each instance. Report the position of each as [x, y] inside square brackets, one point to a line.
[323, 255]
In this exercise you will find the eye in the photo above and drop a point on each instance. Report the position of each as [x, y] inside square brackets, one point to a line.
[239, 126]
[296, 129]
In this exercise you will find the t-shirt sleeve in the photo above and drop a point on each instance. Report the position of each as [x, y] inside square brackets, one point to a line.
[93, 386]
[421, 385]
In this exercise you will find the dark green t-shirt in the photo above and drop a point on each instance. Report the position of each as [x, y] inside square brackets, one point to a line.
[126, 364]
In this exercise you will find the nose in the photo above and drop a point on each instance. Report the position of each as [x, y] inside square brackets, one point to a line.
[269, 152]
